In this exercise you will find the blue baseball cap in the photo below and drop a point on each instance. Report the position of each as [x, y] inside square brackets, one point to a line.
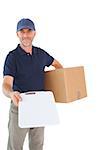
[25, 24]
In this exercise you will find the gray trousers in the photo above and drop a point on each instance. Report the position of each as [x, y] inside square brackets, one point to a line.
[17, 135]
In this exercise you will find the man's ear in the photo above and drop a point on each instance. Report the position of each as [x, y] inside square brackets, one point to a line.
[17, 33]
[34, 33]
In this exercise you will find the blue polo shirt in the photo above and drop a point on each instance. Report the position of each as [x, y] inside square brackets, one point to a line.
[27, 70]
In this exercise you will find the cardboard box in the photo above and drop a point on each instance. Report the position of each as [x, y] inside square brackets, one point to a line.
[67, 84]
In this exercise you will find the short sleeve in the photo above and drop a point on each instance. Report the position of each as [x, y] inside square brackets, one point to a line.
[10, 65]
[48, 59]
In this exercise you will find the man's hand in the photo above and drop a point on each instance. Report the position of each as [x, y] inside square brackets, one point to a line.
[8, 91]
[15, 97]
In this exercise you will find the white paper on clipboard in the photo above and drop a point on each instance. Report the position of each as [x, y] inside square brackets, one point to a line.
[37, 109]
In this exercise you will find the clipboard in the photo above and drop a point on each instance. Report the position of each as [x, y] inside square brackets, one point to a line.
[37, 109]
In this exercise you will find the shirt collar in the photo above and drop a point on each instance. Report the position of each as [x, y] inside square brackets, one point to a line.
[22, 52]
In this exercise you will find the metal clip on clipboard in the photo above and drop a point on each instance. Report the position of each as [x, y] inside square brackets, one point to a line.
[30, 93]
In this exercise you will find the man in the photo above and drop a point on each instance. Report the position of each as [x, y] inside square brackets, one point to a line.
[23, 72]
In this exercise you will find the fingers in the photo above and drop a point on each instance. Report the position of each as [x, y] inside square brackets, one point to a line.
[15, 101]
[15, 97]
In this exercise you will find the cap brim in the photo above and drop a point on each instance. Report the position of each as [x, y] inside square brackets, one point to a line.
[24, 27]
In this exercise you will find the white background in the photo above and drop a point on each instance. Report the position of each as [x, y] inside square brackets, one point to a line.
[70, 31]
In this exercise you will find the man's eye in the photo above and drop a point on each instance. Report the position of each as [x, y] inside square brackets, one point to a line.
[29, 30]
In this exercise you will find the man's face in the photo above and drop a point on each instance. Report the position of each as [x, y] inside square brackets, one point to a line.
[26, 37]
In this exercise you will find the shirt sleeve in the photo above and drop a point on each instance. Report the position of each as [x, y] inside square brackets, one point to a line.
[48, 59]
[10, 65]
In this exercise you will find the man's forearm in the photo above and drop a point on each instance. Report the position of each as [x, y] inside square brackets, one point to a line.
[56, 64]
[7, 89]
